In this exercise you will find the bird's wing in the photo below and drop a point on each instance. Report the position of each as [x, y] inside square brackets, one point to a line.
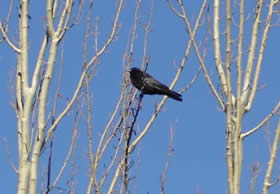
[151, 85]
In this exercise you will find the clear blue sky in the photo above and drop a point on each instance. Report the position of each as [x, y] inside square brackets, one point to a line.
[198, 162]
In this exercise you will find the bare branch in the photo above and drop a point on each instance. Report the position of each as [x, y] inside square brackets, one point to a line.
[9, 156]
[246, 134]
[267, 182]
[188, 86]
[147, 29]
[135, 24]
[260, 56]
[8, 40]
[251, 54]
[254, 174]
[64, 19]
[174, 10]
[50, 13]
[217, 46]
[169, 154]
[67, 158]
[201, 61]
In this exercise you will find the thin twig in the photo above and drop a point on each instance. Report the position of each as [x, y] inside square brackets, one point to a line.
[8, 40]
[251, 131]
[169, 154]
[9, 155]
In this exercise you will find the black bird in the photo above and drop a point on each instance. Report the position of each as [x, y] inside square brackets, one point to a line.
[148, 85]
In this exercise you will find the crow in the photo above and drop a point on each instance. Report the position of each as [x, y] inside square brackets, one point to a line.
[148, 85]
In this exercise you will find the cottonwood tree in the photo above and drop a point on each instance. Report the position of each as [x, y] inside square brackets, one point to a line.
[239, 64]
[36, 123]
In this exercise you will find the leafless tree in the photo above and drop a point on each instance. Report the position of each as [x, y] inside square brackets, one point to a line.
[236, 98]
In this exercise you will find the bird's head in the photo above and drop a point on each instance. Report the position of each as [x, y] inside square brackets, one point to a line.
[135, 72]
[137, 77]
[135, 69]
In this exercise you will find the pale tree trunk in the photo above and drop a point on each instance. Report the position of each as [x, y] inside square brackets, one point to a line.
[30, 148]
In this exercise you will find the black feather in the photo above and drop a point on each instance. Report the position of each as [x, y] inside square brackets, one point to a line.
[148, 85]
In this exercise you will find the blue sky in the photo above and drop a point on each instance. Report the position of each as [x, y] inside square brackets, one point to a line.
[198, 161]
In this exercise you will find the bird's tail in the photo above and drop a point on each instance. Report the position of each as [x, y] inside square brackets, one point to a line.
[174, 95]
